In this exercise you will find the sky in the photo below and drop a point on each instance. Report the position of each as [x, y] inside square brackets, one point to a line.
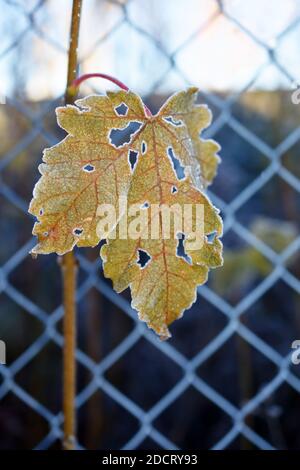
[209, 50]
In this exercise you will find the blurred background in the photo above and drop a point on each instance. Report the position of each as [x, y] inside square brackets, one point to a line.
[225, 380]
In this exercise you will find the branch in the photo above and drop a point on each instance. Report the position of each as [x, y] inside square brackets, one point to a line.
[69, 272]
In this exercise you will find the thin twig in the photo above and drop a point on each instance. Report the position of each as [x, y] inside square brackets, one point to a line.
[69, 272]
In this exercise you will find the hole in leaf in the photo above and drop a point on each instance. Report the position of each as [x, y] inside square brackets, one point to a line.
[77, 231]
[132, 158]
[89, 168]
[120, 137]
[178, 168]
[121, 109]
[145, 205]
[174, 190]
[181, 248]
[211, 236]
[172, 121]
[41, 211]
[144, 258]
[144, 147]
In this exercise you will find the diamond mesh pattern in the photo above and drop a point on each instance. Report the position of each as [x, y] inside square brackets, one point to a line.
[90, 269]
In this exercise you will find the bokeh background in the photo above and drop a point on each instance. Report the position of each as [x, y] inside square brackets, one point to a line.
[225, 379]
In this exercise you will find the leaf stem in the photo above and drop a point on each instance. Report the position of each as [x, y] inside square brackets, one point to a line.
[69, 272]
[77, 82]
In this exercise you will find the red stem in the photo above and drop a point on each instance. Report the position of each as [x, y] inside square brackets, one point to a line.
[77, 82]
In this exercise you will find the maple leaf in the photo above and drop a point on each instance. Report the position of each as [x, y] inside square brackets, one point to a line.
[89, 168]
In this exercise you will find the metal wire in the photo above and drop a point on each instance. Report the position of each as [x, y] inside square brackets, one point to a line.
[233, 314]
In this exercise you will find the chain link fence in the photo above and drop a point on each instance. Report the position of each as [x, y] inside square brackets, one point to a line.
[34, 23]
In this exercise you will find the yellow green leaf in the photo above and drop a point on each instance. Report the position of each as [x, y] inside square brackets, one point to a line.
[90, 168]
